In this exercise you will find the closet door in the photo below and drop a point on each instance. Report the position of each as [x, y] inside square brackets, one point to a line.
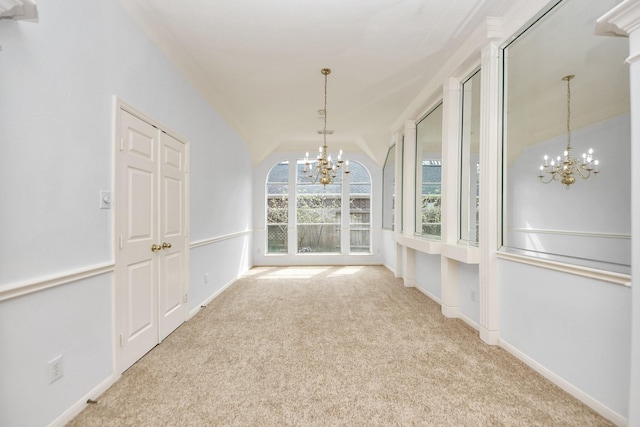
[173, 210]
[150, 259]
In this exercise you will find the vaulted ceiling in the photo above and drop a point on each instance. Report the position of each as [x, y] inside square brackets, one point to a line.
[258, 62]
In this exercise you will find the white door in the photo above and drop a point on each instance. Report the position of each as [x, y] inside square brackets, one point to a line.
[172, 233]
[150, 263]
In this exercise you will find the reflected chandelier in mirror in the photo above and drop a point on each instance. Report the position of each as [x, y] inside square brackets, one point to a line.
[566, 168]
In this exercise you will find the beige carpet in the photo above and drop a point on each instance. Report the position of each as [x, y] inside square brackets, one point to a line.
[328, 346]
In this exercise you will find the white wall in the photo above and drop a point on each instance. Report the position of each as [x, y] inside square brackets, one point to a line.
[575, 327]
[468, 291]
[73, 320]
[428, 277]
[57, 81]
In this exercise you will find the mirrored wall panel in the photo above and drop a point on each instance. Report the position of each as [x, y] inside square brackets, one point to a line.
[428, 173]
[389, 189]
[469, 189]
[567, 172]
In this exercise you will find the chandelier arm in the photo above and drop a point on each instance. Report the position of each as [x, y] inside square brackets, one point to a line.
[581, 171]
[551, 178]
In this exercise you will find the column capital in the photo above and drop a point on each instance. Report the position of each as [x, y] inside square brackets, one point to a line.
[620, 21]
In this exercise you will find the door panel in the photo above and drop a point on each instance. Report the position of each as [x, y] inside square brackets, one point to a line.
[172, 293]
[141, 283]
[172, 219]
[141, 220]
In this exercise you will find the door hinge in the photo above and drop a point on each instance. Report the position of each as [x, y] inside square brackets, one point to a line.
[120, 243]
[186, 297]
[121, 341]
[121, 144]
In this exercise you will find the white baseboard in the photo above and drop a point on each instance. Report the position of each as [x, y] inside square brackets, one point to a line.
[469, 321]
[79, 406]
[409, 283]
[212, 297]
[429, 294]
[450, 311]
[489, 337]
[388, 267]
[603, 410]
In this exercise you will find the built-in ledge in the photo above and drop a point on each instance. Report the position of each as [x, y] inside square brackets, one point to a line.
[462, 253]
[432, 247]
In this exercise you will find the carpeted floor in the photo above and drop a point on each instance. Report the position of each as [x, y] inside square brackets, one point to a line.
[330, 346]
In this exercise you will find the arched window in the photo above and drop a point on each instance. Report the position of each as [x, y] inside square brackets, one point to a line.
[278, 209]
[359, 209]
[327, 218]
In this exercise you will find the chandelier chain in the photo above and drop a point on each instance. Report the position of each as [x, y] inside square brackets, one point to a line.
[568, 78]
[324, 134]
[324, 169]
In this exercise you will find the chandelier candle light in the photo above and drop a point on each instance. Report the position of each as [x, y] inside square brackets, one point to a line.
[324, 170]
[565, 168]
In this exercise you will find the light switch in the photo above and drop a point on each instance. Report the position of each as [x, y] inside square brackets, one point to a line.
[105, 199]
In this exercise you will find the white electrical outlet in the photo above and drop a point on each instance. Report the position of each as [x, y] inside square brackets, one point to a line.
[206, 277]
[473, 295]
[55, 369]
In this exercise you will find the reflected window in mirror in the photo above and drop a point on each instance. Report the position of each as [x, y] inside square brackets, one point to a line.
[400, 188]
[389, 189]
[589, 222]
[469, 189]
[429, 173]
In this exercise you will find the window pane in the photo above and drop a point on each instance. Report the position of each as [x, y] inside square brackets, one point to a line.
[388, 189]
[470, 160]
[360, 216]
[428, 173]
[278, 208]
[318, 213]
[588, 224]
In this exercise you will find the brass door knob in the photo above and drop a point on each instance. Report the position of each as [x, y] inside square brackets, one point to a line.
[166, 245]
[155, 248]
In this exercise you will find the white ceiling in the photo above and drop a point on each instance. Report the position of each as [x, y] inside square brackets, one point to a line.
[258, 62]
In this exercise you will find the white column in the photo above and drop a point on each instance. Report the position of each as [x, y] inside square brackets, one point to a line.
[408, 202]
[624, 20]
[489, 185]
[345, 218]
[292, 235]
[450, 169]
[407, 155]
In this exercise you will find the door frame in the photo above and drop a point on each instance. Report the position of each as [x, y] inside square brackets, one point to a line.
[120, 104]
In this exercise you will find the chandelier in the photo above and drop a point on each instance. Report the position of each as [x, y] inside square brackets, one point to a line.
[565, 168]
[324, 169]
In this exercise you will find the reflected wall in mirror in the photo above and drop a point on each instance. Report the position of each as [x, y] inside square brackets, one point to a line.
[389, 189]
[428, 173]
[469, 189]
[588, 224]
